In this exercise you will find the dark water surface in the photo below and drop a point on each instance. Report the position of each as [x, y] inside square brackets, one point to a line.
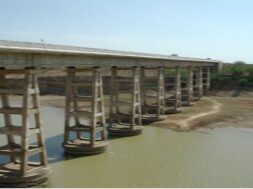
[157, 158]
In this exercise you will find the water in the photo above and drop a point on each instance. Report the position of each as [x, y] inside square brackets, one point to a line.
[157, 158]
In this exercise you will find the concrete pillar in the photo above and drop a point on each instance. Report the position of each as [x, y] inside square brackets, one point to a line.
[89, 137]
[208, 85]
[199, 82]
[153, 94]
[19, 170]
[207, 80]
[173, 90]
[189, 86]
[125, 110]
[219, 67]
[195, 86]
[160, 90]
[178, 88]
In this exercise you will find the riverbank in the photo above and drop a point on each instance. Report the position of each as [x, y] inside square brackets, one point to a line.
[193, 117]
[224, 111]
[234, 111]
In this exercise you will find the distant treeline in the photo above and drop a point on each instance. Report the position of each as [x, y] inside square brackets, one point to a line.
[236, 75]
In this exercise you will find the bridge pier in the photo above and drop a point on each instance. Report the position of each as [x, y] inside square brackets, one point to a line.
[206, 80]
[85, 129]
[178, 93]
[173, 90]
[198, 84]
[24, 154]
[153, 94]
[187, 87]
[125, 109]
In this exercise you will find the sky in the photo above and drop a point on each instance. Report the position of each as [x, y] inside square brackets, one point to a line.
[217, 29]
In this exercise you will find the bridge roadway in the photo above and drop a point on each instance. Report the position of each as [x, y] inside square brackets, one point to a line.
[144, 88]
[40, 55]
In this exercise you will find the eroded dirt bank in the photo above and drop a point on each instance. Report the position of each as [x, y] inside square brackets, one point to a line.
[189, 121]
[234, 111]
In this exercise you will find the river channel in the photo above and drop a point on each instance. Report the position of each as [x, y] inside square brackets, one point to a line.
[158, 158]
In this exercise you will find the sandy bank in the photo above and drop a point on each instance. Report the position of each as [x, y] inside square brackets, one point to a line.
[189, 122]
[213, 112]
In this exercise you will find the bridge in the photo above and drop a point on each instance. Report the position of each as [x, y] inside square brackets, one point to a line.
[143, 88]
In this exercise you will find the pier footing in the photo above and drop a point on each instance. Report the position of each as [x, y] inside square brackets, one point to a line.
[10, 178]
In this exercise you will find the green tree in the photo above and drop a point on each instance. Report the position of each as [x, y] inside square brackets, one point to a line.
[239, 69]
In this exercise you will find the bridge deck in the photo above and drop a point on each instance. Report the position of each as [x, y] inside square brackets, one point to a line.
[41, 55]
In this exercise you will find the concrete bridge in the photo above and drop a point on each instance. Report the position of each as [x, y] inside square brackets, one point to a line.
[144, 88]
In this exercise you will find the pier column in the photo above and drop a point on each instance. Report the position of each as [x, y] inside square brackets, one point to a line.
[23, 149]
[187, 87]
[125, 110]
[178, 88]
[153, 94]
[190, 85]
[200, 82]
[206, 80]
[161, 92]
[173, 90]
[195, 86]
[85, 129]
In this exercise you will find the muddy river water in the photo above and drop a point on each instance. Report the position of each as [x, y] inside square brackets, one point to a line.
[157, 158]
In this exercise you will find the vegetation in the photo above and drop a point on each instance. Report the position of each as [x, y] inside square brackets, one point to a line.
[236, 75]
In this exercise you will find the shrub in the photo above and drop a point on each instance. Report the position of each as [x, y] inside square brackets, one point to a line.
[216, 77]
[250, 70]
[250, 84]
[243, 82]
[234, 75]
[239, 69]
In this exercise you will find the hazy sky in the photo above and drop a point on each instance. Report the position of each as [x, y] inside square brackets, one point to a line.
[219, 29]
